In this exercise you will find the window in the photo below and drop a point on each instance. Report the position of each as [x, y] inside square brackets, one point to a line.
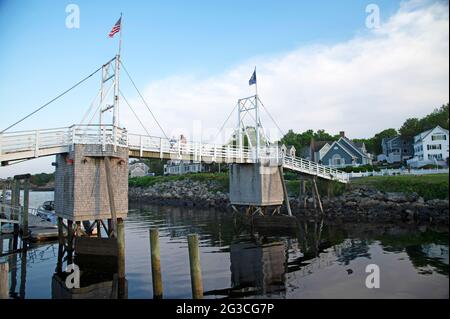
[337, 160]
[438, 137]
[434, 147]
[435, 156]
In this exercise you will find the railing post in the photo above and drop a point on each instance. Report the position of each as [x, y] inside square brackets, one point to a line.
[73, 137]
[160, 148]
[36, 144]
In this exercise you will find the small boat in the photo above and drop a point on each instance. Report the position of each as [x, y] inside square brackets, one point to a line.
[47, 211]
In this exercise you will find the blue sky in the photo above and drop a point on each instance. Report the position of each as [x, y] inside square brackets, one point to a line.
[41, 57]
[319, 66]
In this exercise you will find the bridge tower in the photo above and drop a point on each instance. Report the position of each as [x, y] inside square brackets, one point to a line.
[91, 182]
[256, 186]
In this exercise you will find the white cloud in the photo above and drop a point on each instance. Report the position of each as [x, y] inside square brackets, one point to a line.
[371, 82]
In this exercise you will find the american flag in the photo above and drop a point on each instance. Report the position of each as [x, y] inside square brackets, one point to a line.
[116, 28]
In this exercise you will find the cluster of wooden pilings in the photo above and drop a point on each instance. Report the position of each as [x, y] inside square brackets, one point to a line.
[194, 265]
[18, 215]
[314, 192]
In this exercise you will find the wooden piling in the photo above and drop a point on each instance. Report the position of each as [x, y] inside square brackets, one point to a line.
[316, 190]
[285, 193]
[16, 204]
[4, 280]
[112, 204]
[196, 271]
[60, 231]
[121, 247]
[156, 264]
[4, 198]
[26, 201]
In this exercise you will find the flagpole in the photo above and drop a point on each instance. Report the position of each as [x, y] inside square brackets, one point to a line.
[116, 87]
[257, 116]
[120, 36]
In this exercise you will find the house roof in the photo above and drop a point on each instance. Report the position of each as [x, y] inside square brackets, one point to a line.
[318, 145]
[353, 146]
[425, 134]
[341, 146]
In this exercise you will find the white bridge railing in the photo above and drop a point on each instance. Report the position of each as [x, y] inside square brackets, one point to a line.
[31, 144]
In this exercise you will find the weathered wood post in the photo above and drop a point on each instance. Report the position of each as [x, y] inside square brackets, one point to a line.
[23, 272]
[121, 247]
[285, 192]
[69, 241]
[16, 204]
[26, 201]
[317, 194]
[156, 264]
[122, 283]
[196, 271]
[4, 282]
[4, 198]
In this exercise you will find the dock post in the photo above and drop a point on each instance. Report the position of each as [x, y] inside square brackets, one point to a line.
[69, 241]
[4, 198]
[285, 192]
[121, 247]
[316, 190]
[23, 272]
[4, 282]
[156, 264]
[196, 271]
[16, 207]
[26, 201]
[122, 284]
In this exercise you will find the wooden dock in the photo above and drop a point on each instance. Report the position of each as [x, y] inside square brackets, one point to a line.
[39, 229]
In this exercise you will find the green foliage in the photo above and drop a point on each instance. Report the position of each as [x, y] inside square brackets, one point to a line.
[428, 186]
[362, 168]
[414, 126]
[42, 179]
[300, 140]
[221, 179]
[293, 187]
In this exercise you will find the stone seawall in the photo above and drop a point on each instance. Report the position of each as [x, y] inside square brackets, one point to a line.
[361, 203]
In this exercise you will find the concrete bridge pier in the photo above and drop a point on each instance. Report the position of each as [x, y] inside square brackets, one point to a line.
[258, 189]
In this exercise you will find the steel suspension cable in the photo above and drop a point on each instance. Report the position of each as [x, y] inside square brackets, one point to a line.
[132, 110]
[54, 99]
[143, 100]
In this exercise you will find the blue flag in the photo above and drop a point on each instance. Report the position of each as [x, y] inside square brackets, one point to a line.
[252, 79]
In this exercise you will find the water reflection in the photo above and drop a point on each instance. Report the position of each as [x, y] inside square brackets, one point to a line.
[316, 258]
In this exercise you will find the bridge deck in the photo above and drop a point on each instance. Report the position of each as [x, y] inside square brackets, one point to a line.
[32, 144]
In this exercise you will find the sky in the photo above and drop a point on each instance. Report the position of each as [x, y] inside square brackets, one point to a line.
[319, 64]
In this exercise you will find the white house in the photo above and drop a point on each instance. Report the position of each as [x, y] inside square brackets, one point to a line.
[430, 147]
[177, 167]
[138, 169]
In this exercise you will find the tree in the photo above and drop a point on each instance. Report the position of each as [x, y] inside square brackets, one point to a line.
[410, 128]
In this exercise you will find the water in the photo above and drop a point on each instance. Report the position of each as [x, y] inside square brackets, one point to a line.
[317, 260]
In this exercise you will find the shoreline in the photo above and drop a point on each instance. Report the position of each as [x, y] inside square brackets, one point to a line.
[358, 203]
